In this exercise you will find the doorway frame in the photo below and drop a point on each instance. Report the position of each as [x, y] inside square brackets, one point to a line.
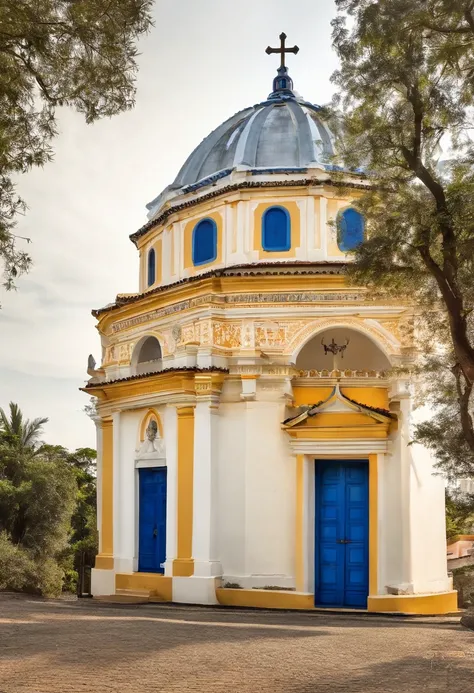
[306, 509]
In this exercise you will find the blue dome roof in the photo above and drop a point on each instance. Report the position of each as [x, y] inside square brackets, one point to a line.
[283, 132]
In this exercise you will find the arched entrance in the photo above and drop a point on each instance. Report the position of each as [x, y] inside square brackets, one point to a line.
[147, 356]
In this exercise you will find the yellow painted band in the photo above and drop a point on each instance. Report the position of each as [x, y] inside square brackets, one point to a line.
[183, 567]
[104, 562]
[430, 604]
[159, 586]
[185, 491]
[264, 599]
[105, 559]
[299, 524]
[373, 524]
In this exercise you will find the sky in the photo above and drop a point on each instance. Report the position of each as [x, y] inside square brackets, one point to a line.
[201, 63]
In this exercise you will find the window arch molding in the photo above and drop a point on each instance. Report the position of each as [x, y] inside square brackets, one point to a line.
[350, 229]
[204, 242]
[151, 267]
[276, 229]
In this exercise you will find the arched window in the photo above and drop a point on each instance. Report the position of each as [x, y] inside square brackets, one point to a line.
[276, 230]
[350, 229]
[204, 242]
[151, 276]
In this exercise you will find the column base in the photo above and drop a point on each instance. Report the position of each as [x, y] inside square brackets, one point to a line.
[207, 568]
[195, 590]
[102, 582]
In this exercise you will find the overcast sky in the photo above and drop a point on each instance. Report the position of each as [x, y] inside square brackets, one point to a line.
[201, 63]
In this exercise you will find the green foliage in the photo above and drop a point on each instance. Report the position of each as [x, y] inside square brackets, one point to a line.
[406, 89]
[47, 508]
[459, 514]
[54, 53]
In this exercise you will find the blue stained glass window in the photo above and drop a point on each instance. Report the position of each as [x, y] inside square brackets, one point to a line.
[276, 230]
[204, 242]
[351, 228]
[151, 267]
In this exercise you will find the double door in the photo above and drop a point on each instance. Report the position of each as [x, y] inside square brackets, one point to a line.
[342, 533]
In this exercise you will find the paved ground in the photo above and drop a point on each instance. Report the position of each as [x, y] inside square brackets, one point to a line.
[66, 647]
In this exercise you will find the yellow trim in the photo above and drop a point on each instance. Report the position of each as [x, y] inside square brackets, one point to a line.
[265, 599]
[375, 431]
[371, 396]
[188, 242]
[158, 263]
[183, 564]
[150, 414]
[183, 567]
[294, 212]
[299, 524]
[159, 586]
[333, 208]
[373, 524]
[104, 560]
[429, 604]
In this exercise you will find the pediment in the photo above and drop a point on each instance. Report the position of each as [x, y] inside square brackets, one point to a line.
[342, 408]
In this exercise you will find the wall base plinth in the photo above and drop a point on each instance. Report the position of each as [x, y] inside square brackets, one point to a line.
[195, 590]
[265, 599]
[102, 582]
[429, 604]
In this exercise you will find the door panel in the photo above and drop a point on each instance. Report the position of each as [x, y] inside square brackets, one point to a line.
[152, 520]
[341, 550]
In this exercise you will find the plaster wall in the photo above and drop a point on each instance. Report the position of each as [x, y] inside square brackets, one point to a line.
[257, 495]
[427, 523]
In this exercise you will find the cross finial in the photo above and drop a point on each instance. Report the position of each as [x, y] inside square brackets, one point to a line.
[282, 50]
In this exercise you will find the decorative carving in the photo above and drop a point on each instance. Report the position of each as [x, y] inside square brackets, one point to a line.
[244, 299]
[226, 334]
[153, 447]
[176, 333]
[205, 328]
[313, 373]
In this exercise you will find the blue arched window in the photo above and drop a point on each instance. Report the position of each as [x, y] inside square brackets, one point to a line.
[151, 273]
[276, 230]
[351, 227]
[204, 242]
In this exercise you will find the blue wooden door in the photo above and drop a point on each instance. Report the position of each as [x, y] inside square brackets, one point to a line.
[342, 533]
[152, 520]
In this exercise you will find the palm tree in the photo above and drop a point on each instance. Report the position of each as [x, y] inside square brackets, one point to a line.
[19, 431]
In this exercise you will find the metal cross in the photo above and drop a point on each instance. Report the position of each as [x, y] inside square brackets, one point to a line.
[282, 50]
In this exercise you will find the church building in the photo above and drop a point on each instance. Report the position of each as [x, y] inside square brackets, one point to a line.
[253, 429]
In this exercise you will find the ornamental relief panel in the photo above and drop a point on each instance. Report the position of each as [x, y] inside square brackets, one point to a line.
[276, 334]
[227, 334]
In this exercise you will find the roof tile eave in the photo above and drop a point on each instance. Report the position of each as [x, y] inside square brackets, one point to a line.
[183, 369]
[279, 269]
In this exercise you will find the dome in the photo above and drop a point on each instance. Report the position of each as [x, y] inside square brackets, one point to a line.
[283, 132]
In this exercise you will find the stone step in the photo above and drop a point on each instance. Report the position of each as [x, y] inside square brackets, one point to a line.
[124, 597]
[132, 592]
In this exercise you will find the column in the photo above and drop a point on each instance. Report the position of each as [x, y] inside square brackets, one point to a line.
[183, 563]
[104, 560]
[299, 525]
[205, 549]
[171, 429]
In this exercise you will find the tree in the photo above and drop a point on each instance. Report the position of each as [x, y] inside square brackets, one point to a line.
[406, 86]
[47, 508]
[77, 53]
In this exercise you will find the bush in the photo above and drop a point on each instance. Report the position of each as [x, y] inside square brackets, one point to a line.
[17, 570]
